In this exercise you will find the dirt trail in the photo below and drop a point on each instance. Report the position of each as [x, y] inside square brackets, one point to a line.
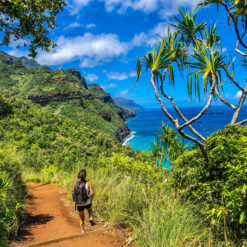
[49, 223]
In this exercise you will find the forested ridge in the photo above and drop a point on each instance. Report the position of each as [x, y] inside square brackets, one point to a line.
[52, 123]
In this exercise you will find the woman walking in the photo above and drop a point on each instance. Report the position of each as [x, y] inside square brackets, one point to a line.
[83, 197]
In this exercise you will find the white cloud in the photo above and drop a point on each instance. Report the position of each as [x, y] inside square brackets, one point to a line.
[160, 29]
[116, 76]
[90, 49]
[151, 36]
[166, 8]
[73, 25]
[111, 85]
[74, 6]
[18, 53]
[224, 49]
[120, 76]
[238, 95]
[126, 91]
[90, 25]
[132, 74]
[91, 77]
[123, 5]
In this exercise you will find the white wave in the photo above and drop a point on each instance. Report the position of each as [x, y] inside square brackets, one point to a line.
[128, 138]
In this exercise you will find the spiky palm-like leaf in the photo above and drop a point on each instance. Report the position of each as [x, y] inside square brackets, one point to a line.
[187, 27]
[162, 56]
[211, 37]
[207, 63]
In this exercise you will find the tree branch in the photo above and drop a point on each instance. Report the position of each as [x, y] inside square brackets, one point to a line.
[224, 100]
[174, 121]
[178, 111]
[237, 44]
[241, 122]
[234, 81]
[199, 115]
[235, 24]
[220, 97]
[240, 104]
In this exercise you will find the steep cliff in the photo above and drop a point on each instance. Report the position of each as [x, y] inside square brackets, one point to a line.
[106, 98]
[64, 92]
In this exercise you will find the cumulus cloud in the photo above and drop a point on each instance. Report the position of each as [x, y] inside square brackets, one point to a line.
[111, 85]
[123, 5]
[119, 76]
[166, 8]
[91, 77]
[151, 36]
[90, 49]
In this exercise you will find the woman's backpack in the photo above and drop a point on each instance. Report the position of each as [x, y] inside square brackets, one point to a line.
[80, 195]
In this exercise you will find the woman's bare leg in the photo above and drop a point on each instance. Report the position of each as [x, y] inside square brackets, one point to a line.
[90, 214]
[82, 220]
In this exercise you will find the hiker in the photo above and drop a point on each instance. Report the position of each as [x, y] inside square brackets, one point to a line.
[83, 197]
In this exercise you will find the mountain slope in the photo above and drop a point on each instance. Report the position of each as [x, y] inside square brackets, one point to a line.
[128, 103]
[63, 93]
[28, 63]
[99, 93]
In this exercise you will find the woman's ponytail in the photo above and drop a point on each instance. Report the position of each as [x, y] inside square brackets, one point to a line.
[82, 175]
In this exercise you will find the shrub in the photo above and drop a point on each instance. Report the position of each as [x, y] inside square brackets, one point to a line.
[12, 194]
[219, 184]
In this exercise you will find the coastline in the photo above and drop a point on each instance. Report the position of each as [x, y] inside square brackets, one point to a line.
[128, 138]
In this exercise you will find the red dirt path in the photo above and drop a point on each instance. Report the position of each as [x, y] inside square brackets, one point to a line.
[48, 219]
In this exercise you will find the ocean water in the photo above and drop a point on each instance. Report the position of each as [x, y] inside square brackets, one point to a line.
[145, 126]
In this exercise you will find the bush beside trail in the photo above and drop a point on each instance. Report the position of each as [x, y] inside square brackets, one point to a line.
[13, 194]
[218, 185]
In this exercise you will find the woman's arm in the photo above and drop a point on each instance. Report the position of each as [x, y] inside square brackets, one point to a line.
[91, 190]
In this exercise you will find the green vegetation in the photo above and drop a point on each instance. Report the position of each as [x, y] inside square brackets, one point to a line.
[12, 193]
[197, 203]
[64, 93]
[195, 49]
[54, 124]
[37, 142]
[219, 185]
[29, 21]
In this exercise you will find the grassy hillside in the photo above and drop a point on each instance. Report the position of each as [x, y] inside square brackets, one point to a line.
[65, 93]
[37, 142]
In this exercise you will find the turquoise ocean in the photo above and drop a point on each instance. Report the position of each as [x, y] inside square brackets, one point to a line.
[147, 123]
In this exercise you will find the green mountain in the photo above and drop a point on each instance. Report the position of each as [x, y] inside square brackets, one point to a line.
[127, 103]
[65, 93]
[28, 63]
[105, 97]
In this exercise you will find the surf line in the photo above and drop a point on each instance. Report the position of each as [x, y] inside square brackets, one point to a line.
[128, 138]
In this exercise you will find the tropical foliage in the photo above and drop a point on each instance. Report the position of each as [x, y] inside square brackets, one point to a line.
[195, 49]
[29, 21]
[219, 184]
[12, 193]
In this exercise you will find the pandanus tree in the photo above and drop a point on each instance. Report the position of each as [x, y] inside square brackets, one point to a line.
[196, 49]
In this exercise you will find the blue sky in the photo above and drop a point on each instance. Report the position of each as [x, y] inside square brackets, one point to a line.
[103, 38]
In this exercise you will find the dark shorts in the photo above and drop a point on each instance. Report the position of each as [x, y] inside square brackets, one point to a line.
[81, 208]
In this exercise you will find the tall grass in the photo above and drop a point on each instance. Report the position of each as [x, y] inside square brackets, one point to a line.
[154, 213]
[12, 194]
